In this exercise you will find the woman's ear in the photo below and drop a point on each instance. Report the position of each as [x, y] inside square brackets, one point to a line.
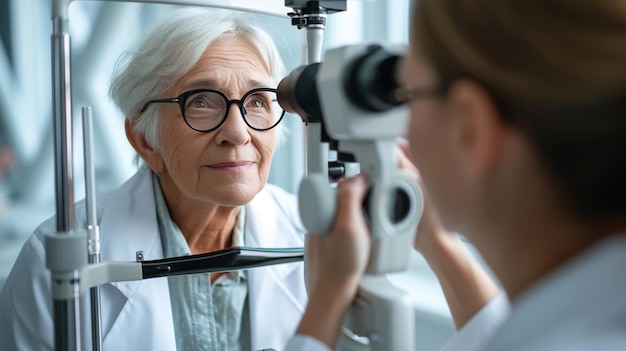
[480, 128]
[149, 154]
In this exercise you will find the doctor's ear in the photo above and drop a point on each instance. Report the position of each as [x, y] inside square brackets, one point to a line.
[150, 155]
[480, 131]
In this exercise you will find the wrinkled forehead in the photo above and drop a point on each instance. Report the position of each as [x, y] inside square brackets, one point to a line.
[228, 63]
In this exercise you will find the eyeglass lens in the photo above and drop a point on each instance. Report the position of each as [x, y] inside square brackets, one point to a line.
[205, 110]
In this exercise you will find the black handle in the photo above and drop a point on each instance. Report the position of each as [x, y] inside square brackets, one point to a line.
[220, 261]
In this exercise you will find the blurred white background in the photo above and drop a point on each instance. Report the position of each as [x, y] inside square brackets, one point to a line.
[100, 31]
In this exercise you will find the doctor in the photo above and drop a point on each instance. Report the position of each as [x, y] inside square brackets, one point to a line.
[201, 114]
[518, 127]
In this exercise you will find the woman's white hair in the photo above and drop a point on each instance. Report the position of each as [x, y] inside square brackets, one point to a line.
[169, 50]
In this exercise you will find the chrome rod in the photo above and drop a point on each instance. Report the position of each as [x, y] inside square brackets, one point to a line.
[93, 238]
[62, 105]
[66, 312]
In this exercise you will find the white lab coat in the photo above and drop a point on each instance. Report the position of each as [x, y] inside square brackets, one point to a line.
[136, 315]
[581, 306]
[470, 338]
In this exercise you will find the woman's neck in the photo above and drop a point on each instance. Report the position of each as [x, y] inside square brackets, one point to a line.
[208, 231]
[206, 227]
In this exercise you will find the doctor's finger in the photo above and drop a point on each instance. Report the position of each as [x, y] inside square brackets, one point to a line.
[349, 215]
[404, 159]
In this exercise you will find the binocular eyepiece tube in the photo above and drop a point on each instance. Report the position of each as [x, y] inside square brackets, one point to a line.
[369, 83]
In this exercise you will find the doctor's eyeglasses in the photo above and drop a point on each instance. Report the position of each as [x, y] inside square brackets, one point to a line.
[406, 94]
[205, 110]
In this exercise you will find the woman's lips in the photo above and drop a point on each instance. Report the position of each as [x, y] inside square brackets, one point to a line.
[231, 166]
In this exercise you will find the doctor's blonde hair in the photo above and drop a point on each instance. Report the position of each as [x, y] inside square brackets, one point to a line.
[169, 50]
[557, 70]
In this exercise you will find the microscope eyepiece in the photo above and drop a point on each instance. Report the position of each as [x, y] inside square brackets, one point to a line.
[297, 93]
[372, 79]
[369, 83]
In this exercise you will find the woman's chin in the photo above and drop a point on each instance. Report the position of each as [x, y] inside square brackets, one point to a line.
[236, 195]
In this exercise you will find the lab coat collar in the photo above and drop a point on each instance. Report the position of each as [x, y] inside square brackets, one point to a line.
[129, 227]
[590, 285]
[282, 285]
[264, 229]
[128, 224]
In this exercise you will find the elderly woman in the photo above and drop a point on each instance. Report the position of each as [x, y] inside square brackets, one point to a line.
[201, 113]
[518, 126]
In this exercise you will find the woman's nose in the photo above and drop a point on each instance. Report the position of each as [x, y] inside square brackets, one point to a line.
[234, 130]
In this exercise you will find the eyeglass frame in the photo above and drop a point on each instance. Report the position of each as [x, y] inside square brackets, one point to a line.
[407, 94]
[182, 99]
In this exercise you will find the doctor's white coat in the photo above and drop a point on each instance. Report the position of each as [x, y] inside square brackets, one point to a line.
[136, 315]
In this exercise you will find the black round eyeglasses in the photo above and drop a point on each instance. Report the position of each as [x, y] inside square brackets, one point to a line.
[205, 110]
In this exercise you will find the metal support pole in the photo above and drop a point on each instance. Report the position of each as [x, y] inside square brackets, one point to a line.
[66, 311]
[317, 154]
[63, 124]
[93, 231]
[312, 17]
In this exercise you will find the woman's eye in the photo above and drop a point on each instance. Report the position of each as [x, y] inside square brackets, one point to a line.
[198, 103]
[256, 101]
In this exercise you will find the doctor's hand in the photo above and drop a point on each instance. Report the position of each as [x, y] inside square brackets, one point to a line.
[335, 263]
[430, 230]
[465, 284]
